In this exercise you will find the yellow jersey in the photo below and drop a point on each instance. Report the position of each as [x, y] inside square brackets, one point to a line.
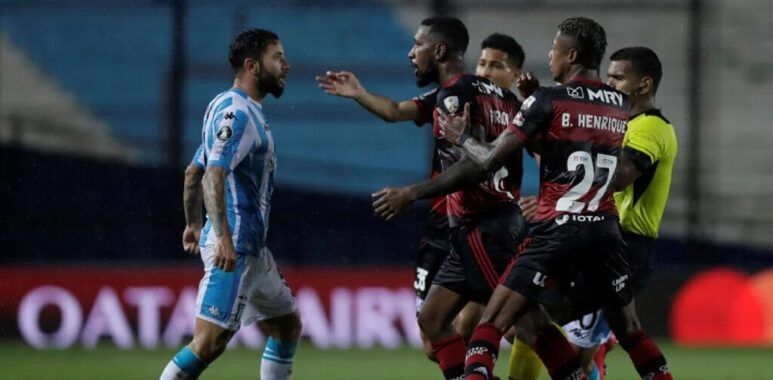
[642, 203]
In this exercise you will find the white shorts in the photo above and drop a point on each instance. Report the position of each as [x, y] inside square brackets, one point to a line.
[254, 291]
[589, 331]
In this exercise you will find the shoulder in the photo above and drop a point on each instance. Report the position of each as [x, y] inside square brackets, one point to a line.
[653, 122]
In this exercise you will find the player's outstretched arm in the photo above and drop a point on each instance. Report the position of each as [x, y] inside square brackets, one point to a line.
[193, 196]
[389, 201]
[346, 84]
[214, 201]
[490, 156]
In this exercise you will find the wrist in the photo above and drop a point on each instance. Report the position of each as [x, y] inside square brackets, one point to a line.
[463, 138]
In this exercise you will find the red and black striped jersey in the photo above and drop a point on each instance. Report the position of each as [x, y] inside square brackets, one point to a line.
[492, 110]
[426, 104]
[578, 130]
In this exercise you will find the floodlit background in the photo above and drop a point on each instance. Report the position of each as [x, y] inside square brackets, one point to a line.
[100, 110]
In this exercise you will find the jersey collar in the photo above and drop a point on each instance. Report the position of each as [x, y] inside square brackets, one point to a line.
[453, 80]
[244, 95]
[588, 81]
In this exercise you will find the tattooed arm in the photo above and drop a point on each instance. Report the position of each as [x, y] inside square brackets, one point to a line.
[214, 200]
[192, 199]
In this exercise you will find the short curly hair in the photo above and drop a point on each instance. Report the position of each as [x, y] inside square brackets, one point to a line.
[250, 43]
[589, 37]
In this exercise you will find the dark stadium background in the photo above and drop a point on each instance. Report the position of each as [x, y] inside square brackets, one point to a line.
[100, 111]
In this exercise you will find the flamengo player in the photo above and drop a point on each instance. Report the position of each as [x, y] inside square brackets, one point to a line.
[486, 223]
[579, 127]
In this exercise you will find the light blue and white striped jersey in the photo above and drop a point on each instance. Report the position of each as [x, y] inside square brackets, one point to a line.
[199, 158]
[236, 137]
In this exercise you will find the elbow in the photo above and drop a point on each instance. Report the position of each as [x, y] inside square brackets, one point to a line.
[193, 173]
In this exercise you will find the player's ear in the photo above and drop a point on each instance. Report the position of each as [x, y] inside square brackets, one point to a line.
[574, 54]
[646, 86]
[251, 66]
[441, 49]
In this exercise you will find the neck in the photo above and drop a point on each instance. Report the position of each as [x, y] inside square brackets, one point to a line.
[577, 71]
[642, 105]
[450, 69]
[249, 87]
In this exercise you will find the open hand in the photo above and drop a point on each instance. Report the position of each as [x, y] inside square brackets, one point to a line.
[340, 83]
[527, 84]
[453, 128]
[390, 201]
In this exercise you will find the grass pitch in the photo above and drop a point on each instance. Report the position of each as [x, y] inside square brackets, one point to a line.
[20, 362]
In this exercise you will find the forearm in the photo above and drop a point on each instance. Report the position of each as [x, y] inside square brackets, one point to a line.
[383, 107]
[193, 196]
[482, 154]
[214, 200]
[461, 174]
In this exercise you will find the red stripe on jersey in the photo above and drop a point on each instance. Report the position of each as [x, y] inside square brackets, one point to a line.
[438, 204]
[521, 249]
[484, 263]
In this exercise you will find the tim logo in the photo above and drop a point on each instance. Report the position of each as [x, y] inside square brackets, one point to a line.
[576, 92]
[229, 115]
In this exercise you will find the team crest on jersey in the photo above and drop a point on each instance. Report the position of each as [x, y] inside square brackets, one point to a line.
[224, 133]
[576, 92]
[451, 103]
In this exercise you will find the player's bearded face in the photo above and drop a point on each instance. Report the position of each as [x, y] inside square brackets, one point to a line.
[428, 75]
[272, 83]
[425, 69]
[273, 70]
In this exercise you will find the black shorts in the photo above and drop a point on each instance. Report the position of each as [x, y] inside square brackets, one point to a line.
[557, 256]
[580, 298]
[434, 247]
[639, 250]
[481, 249]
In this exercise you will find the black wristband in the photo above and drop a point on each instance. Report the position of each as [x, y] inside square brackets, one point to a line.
[463, 137]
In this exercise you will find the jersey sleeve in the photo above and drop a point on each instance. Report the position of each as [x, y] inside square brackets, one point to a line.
[199, 158]
[533, 117]
[646, 140]
[229, 141]
[426, 104]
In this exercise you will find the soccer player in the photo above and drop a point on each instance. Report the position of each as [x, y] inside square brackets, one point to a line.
[434, 245]
[485, 221]
[579, 128]
[241, 282]
[642, 184]
[501, 61]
